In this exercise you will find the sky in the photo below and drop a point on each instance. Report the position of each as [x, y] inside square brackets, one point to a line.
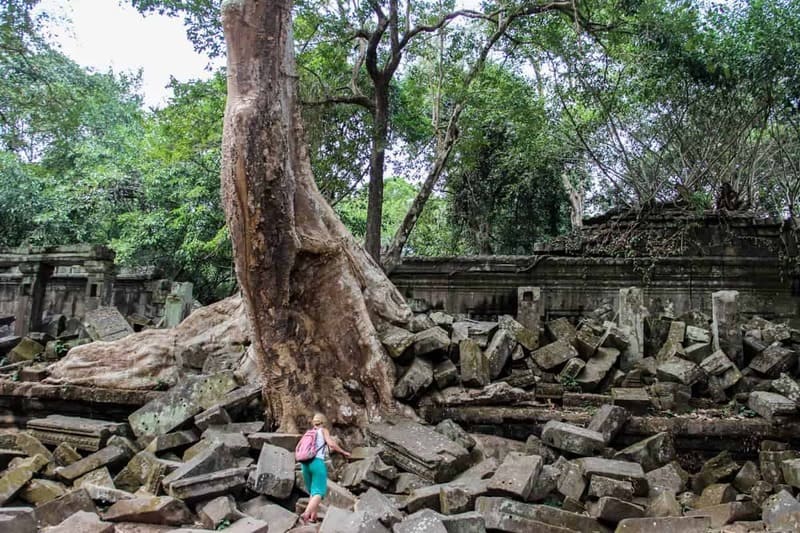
[103, 34]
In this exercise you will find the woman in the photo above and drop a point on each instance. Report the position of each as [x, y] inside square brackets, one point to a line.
[315, 473]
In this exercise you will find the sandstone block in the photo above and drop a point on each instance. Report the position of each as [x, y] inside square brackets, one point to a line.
[56, 511]
[414, 381]
[609, 421]
[573, 439]
[274, 474]
[554, 354]
[769, 405]
[156, 510]
[516, 475]
[652, 452]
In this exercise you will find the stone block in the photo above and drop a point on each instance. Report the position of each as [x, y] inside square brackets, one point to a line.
[728, 513]
[716, 364]
[747, 477]
[56, 511]
[613, 510]
[686, 524]
[65, 455]
[39, 491]
[280, 520]
[139, 469]
[609, 421]
[498, 353]
[18, 520]
[719, 468]
[474, 364]
[572, 439]
[456, 433]
[605, 486]
[778, 510]
[516, 475]
[171, 441]
[664, 504]
[80, 433]
[526, 337]
[586, 342]
[615, 469]
[16, 477]
[204, 486]
[342, 521]
[216, 457]
[421, 521]
[726, 380]
[597, 367]
[396, 340]
[106, 495]
[369, 472]
[405, 482]
[162, 510]
[725, 326]
[679, 370]
[716, 494]
[84, 522]
[100, 477]
[106, 324]
[26, 350]
[572, 368]
[287, 441]
[635, 400]
[274, 473]
[375, 505]
[698, 351]
[214, 416]
[497, 510]
[414, 381]
[652, 452]
[179, 404]
[445, 374]
[770, 405]
[631, 315]
[695, 334]
[572, 483]
[420, 323]
[791, 472]
[561, 329]
[552, 355]
[670, 478]
[774, 360]
[430, 341]
[110, 455]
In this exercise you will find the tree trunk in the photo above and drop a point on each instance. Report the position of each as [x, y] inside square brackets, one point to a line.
[313, 295]
[575, 195]
[380, 133]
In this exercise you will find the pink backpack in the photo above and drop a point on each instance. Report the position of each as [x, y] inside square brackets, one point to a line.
[307, 449]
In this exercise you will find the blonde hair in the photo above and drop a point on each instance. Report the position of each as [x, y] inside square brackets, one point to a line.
[322, 418]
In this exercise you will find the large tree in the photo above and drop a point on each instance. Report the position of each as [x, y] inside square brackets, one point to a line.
[313, 295]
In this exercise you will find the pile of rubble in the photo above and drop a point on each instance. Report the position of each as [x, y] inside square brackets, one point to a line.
[197, 458]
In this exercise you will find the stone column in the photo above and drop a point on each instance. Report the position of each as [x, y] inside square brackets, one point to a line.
[178, 304]
[99, 283]
[529, 308]
[30, 296]
[725, 327]
[631, 317]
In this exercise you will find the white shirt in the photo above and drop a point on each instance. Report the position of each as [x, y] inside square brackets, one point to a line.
[319, 444]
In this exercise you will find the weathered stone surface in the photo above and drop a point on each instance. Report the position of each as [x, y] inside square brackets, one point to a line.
[674, 340]
[396, 340]
[728, 513]
[56, 511]
[687, 524]
[17, 520]
[716, 494]
[586, 342]
[219, 510]
[369, 472]
[615, 469]
[613, 510]
[430, 341]
[32, 446]
[456, 433]
[670, 478]
[474, 364]
[769, 404]
[170, 441]
[216, 457]
[631, 315]
[788, 387]
[572, 368]
[516, 475]
[716, 363]
[573, 439]
[106, 324]
[375, 505]
[17, 476]
[420, 323]
[80, 433]
[554, 354]
[204, 486]
[216, 415]
[697, 352]
[280, 520]
[572, 483]
[419, 522]
[680, 371]
[498, 393]
[39, 491]
[65, 455]
[777, 511]
[287, 441]
[499, 351]
[274, 474]
[496, 510]
[726, 380]
[725, 327]
[109, 455]
[747, 477]
[774, 360]
[770, 464]
[405, 482]
[719, 468]
[664, 504]
[414, 381]
[181, 403]
[83, 522]
[26, 350]
[695, 334]
[636, 400]
[106, 495]
[445, 374]
[419, 449]
[605, 486]
[475, 330]
[341, 521]
[561, 329]
[597, 367]
[156, 510]
[139, 469]
[101, 477]
[791, 472]
[652, 452]
[609, 421]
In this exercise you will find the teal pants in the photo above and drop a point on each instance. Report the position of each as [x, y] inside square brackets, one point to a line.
[315, 475]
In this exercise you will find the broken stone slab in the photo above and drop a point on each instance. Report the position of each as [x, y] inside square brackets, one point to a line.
[445, 374]
[672, 524]
[615, 469]
[636, 400]
[32, 446]
[26, 350]
[85, 522]
[65, 454]
[498, 353]
[788, 387]
[274, 473]
[679, 370]
[631, 315]
[728, 513]
[110, 455]
[396, 340]
[697, 352]
[601, 486]
[100, 477]
[420, 323]
[670, 478]
[421, 521]
[180, 403]
[369, 472]
[747, 477]
[572, 368]
[280, 520]
[554, 354]
[170, 441]
[80, 433]
[213, 513]
[474, 364]
[342, 521]
[106, 495]
[56, 511]
[419, 449]
[142, 466]
[613, 510]
[697, 335]
[39, 491]
[573, 439]
[216, 457]
[609, 421]
[414, 381]
[496, 510]
[791, 472]
[456, 433]
[375, 505]
[770, 405]
[561, 329]
[516, 475]
[726, 380]
[770, 464]
[598, 367]
[652, 452]
[716, 364]
[106, 324]
[719, 468]
[405, 483]
[586, 342]
[287, 441]
[779, 510]
[16, 477]
[205, 486]
[432, 340]
[243, 525]
[725, 326]
[774, 360]
[498, 393]
[214, 416]
[523, 335]
[475, 330]
[572, 483]
[163, 510]
[664, 504]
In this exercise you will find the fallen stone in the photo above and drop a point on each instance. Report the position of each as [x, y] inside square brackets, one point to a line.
[496, 512]
[791, 472]
[475, 330]
[431, 340]
[586, 342]
[26, 350]
[106, 324]
[375, 505]
[572, 483]
[777, 511]
[287, 441]
[156, 510]
[405, 482]
[342, 521]
[414, 381]
[84, 522]
[719, 468]
[516, 475]
[636, 400]
[369, 472]
[56, 511]
[609, 421]
[526, 336]
[17, 520]
[280, 520]
[39, 491]
[180, 403]
[727, 513]
[554, 354]
[214, 416]
[100, 477]
[573, 439]
[274, 474]
[445, 374]
[695, 334]
[243, 428]
[716, 494]
[216, 457]
[770, 405]
[572, 368]
[600, 487]
[664, 504]
[770, 464]
[747, 477]
[205, 486]
[16, 477]
[222, 509]
[652, 452]
[670, 478]
[474, 364]
[171, 441]
[674, 340]
[80, 433]
[613, 510]
[615, 469]
[679, 371]
[597, 368]
[785, 386]
[686, 524]
[396, 340]
[499, 351]
[725, 328]
[774, 360]
[142, 466]
[65, 455]
[726, 380]
[455, 499]
[106, 495]
[716, 364]
[456, 433]
[419, 522]
[697, 352]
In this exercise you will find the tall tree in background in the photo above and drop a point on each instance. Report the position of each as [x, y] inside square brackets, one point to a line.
[313, 295]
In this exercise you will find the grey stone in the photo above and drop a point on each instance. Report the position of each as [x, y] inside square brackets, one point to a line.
[554, 354]
[725, 327]
[341, 521]
[101, 477]
[545, 483]
[614, 510]
[170, 441]
[497, 510]
[747, 477]
[670, 478]
[686, 524]
[280, 520]
[571, 370]
[609, 421]
[597, 367]
[605, 486]
[573, 439]
[106, 324]
[652, 452]
[422, 522]
[615, 469]
[726, 380]
[39, 491]
[420, 323]
[523, 335]
[716, 363]
[56, 511]
[204, 486]
[664, 504]
[456, 433]
[155, 510]
[695, 334]
[474, 364]
[181, 403]
[219, 510]
[110, 455]
[216, 457]
[770, 464]
[376, 505]
[516, 475]
[287, 441]
[16, 477]
[274, 474]
[778, 508]
[83, 521]
[430, 341]
[214, 416]
[17, 520]
[586, 342]
[396, 340]
[769, 405]
[572, 483]
[791, 472]
[774, 360]
[680, 371]
[719, 468]
[499, 351]
[698, 351]
[369, 472]
[404, 483]
[561, 329]
[728, 513]
[445, 374]
[415, 380]
[788, 387]
[80, 433]
[631, 315]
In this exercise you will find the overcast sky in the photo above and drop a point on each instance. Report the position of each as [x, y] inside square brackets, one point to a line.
[105, 33]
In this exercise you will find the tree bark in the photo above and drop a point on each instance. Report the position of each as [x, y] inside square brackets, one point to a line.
[380, 135]
[575, 195]
[313, 295]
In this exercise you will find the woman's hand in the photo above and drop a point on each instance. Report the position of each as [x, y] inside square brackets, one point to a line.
[346, 454]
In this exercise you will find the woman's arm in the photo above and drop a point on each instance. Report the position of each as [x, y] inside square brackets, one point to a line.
[332, 444]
